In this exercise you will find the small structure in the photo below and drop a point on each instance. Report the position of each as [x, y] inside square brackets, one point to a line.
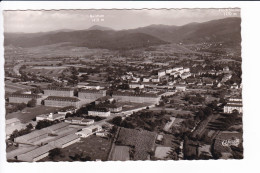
[86, 132]
[51, 117]
[79, 121]
[101, 112]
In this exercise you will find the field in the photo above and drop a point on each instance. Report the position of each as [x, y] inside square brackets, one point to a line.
[13, 87]
[121, 153]
[48, 71]
[93, 146]
[143, 142]
[162, 152]
[30, 113]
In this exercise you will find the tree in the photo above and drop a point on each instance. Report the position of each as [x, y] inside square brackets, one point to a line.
[29, 126]
[32, 103]
[117, 120]
[54, 152]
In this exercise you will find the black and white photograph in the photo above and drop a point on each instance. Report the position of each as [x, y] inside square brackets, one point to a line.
[87, 85]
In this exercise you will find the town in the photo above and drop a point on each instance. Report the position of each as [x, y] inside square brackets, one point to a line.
[138, 98]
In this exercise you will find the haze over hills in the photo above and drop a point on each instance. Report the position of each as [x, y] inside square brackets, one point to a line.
[223, 30]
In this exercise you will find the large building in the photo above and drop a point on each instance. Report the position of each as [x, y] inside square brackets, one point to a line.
[79, 121]
[65, 141]
[24, 98]
[55, 101]
[137, 98]
[35, 136]
[62, 92]
[233, 104]
[100, 112]
[50, 117]
[89, 131]
[36, 154]
[88, 96]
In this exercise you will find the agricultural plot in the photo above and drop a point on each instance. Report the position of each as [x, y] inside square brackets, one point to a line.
[97, 148]
[142, 142]
[121, 153]
[162, 152]
[13, 87]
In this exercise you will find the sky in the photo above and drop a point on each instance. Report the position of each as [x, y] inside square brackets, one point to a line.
[50, 20]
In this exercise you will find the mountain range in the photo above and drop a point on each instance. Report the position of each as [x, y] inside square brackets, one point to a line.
[223, 30]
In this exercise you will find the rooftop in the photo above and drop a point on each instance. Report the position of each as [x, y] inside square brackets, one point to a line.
[57, 98]
[25, 95]
[59, 89]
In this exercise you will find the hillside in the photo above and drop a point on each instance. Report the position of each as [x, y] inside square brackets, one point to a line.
[86, 38]
[223, 30]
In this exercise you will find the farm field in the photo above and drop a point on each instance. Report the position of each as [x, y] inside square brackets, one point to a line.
[121, 153]
[93, 146]
[162, 152]
[142, 140]
[13, 87]
[28, 114]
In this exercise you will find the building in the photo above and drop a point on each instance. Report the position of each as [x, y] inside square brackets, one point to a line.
[24, 98]
[155, 79]
[114, 108]
[233, 104]
[86, 132]
[136, 98]
[51, 117]
[62, 92]
[36, 154]
[186, 70]
[146, 79]
[105, 99]
[161, 73]
[185, 75]
[79, 121]
[100, 112]
[69, 109]
[65, 141]
[136, 85]
[37, 135]
[55, 101]
[180, 87]
[88, 96]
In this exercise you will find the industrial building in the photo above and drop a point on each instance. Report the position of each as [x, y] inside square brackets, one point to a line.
[24, 98]
[55, 101]
[62, 92]
[136, 98]
[88, 96]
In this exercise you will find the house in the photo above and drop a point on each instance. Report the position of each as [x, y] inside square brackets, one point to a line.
[136, 85]
[155, 79]
[161, 73]
[180, 87]
[146, 79]
[24, 98]
[56, 101]
[86, 132]
[185, 75]
[51, 117]
[61, 92]
[226, 69]
[101, 112]
[102, 133]
[114, 108]
[68, 109]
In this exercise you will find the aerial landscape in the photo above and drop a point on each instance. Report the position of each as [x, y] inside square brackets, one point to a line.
[88, 85]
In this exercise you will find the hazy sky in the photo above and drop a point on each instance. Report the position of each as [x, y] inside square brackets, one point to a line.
[42, 21]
